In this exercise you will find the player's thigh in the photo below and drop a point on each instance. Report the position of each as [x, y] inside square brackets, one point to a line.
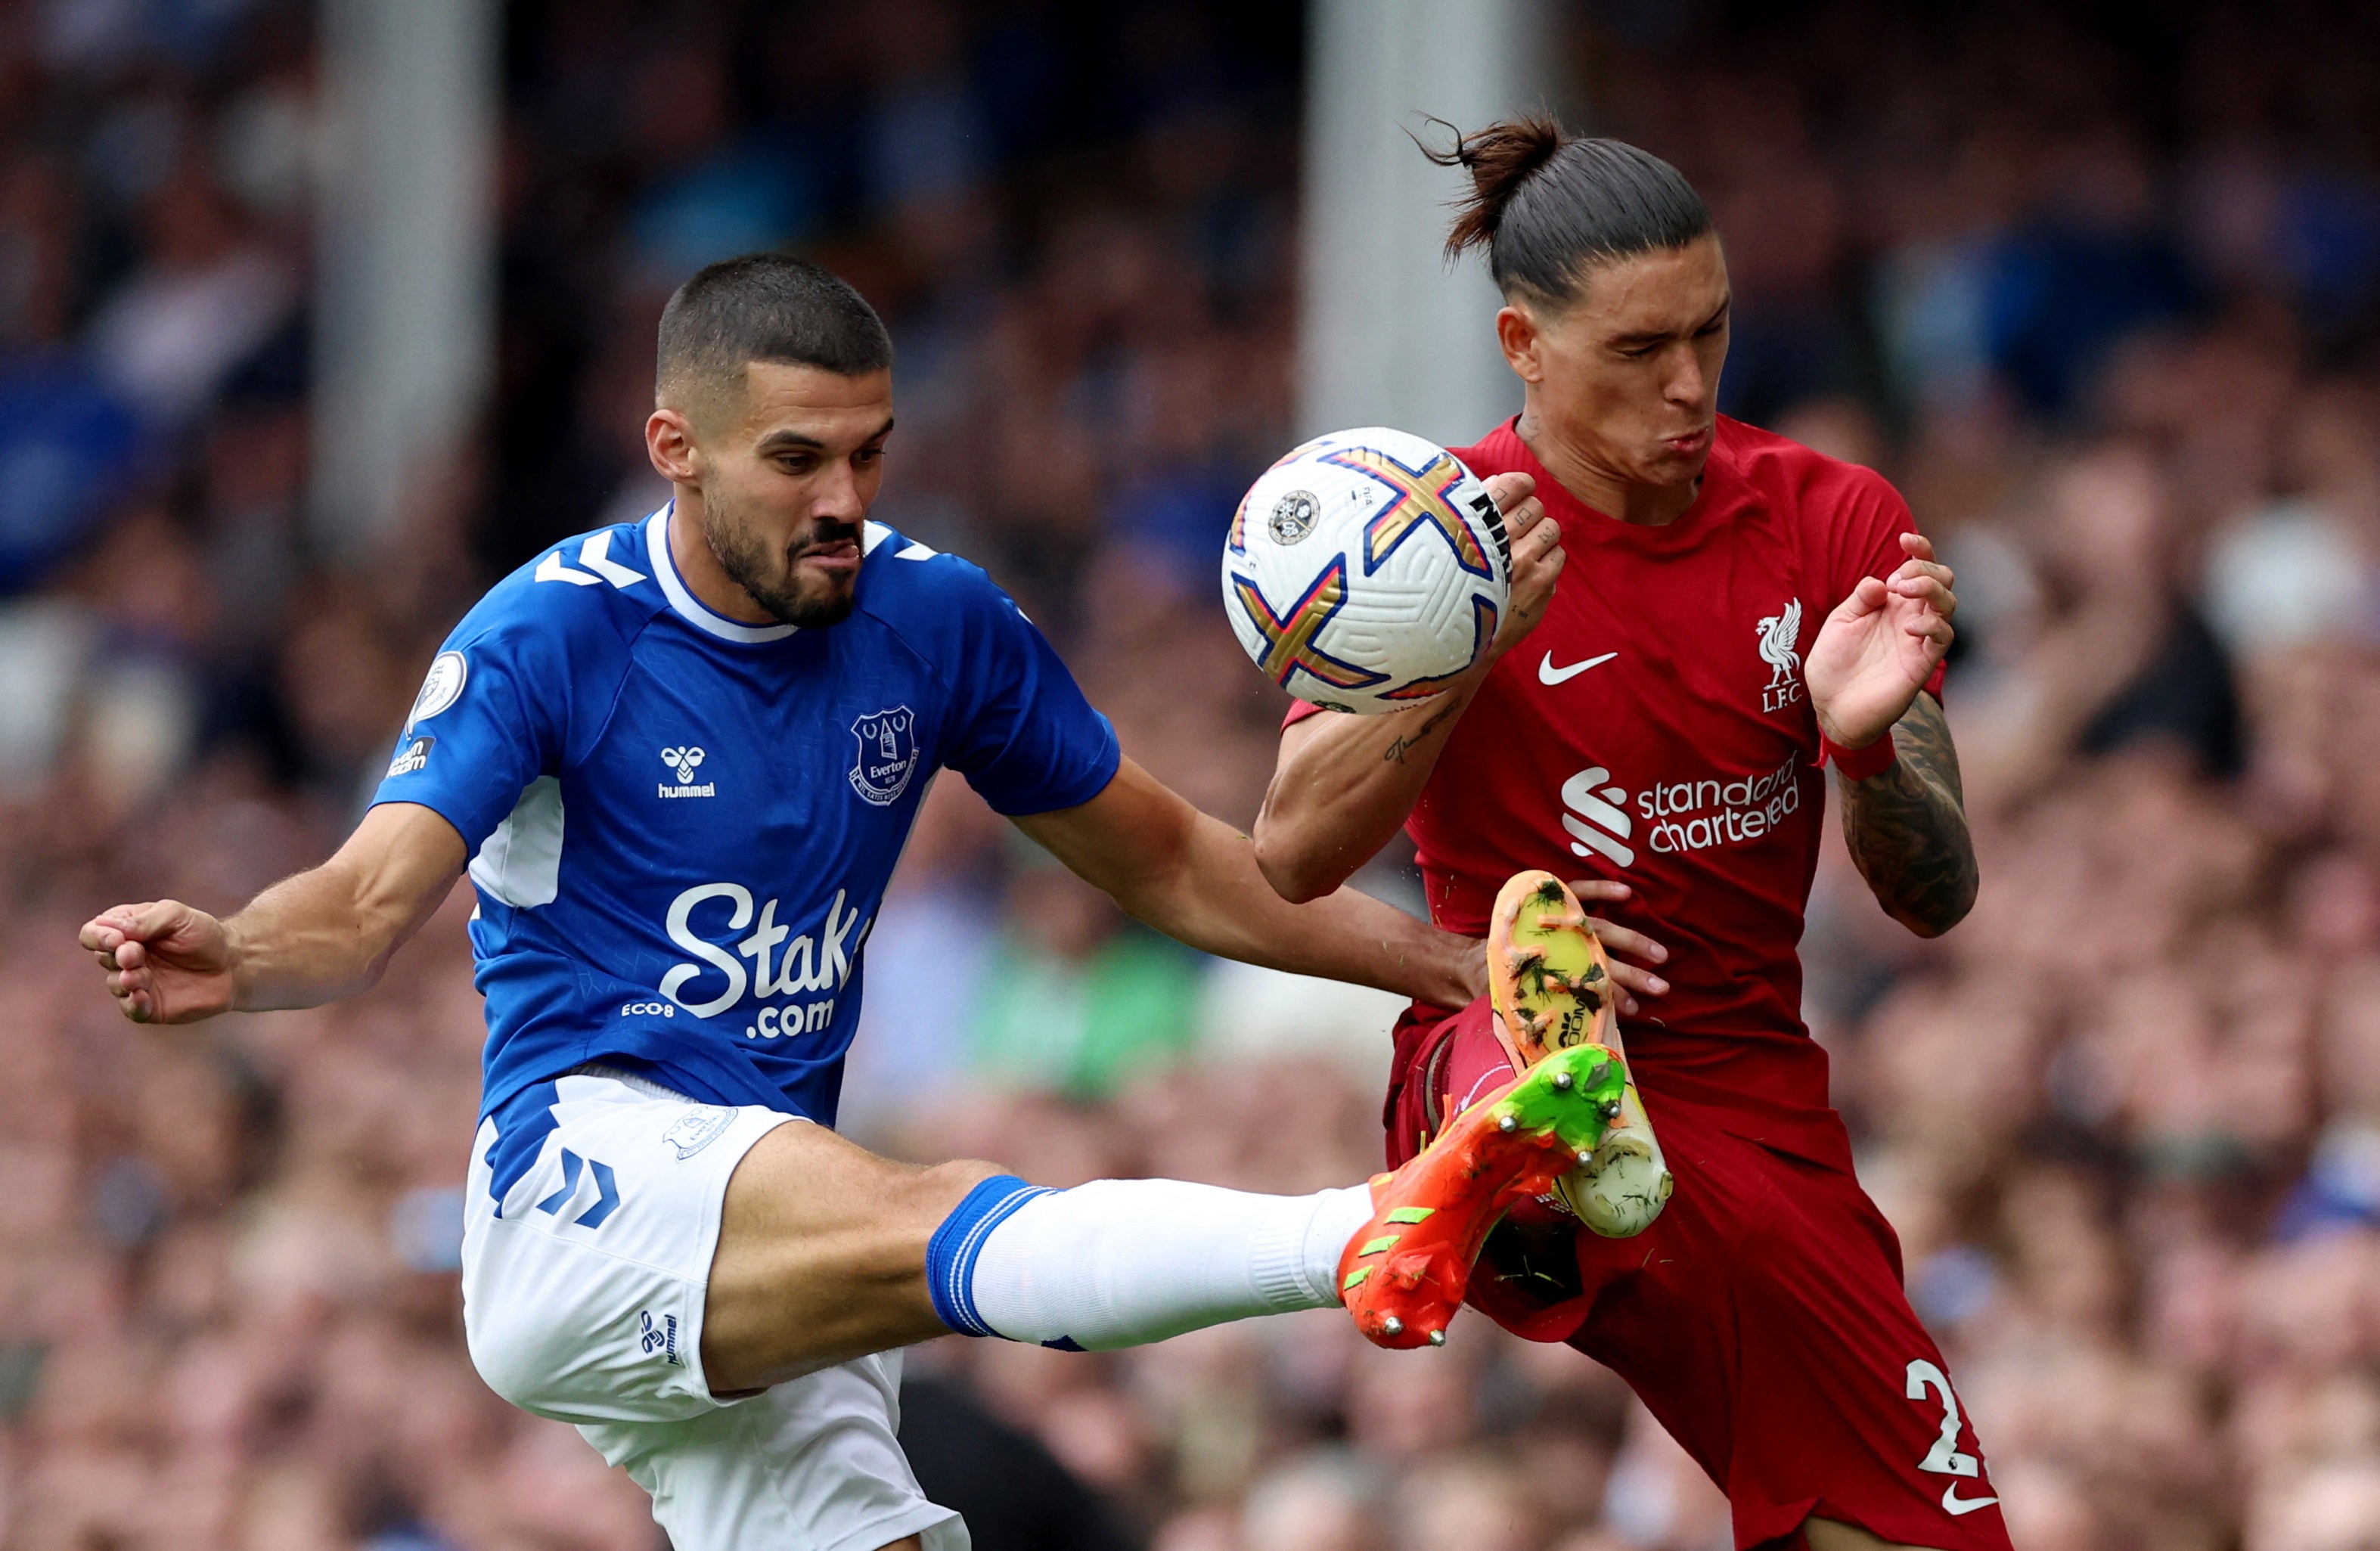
[1664, 1310]
[1824, 1534]
[1761, 1320]
[823, 1257]
[591, 1220]
[1844, 1408]
[814, 1462]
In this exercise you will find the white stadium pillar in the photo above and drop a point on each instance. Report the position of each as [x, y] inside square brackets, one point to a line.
[405, 313]
[1390, 332]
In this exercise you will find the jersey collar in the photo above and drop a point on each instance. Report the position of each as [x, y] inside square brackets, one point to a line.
[690, 607]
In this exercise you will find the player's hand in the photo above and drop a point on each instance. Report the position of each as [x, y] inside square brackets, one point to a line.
[1877, 649]
[1536, 540]
[165, 963]
[1623, 944]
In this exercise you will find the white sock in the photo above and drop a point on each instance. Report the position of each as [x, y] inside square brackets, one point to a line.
[1120, 1262]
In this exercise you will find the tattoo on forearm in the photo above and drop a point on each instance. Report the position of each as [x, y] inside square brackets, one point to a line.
[1402, 746]
[1907, 826]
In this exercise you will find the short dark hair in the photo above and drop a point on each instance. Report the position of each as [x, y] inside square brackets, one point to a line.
[1549, 206]
[765, 306]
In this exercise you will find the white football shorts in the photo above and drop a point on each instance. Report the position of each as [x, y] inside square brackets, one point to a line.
[582, 1301]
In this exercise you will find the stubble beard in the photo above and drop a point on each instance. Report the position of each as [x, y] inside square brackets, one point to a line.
[745, 556]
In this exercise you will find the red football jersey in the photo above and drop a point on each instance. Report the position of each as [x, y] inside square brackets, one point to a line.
[1654, 728]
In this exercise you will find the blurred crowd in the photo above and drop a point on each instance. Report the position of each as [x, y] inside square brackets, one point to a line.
[2101, 295]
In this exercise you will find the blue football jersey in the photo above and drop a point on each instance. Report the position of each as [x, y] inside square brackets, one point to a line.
[681, 826]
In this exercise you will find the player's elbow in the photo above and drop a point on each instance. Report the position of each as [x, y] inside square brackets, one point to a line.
[1295, 872]
[1299, 887]
[1931, 917]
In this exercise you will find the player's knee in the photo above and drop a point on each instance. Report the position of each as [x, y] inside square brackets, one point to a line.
[933, 1194]
[1829, 1535]
[940, 1189]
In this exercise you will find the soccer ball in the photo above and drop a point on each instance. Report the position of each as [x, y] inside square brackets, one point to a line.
[1366, 570]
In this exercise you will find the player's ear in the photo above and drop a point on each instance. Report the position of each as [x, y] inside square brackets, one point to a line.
[1516, 332]
[669, 442]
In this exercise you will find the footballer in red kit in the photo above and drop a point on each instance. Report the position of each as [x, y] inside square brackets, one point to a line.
[1703, 613]
[1657, 730]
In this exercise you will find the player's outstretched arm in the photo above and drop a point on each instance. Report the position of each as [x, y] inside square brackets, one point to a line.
[1344, 784]
[311, 939]
[1195, 877]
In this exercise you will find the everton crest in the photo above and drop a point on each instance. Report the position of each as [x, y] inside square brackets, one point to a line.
[888, 755]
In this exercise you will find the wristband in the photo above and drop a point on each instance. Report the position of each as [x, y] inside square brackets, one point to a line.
[1858, 764]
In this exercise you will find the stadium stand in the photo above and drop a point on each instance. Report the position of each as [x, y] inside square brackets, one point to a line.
[2103, 305]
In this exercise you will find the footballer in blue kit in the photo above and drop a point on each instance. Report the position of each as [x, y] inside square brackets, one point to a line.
[678, 760]
[658, 888]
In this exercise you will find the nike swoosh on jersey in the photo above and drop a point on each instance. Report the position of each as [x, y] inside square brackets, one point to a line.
[1955, 1505]
[1548, 674]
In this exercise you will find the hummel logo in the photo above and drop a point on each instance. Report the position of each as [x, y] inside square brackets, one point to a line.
[662, 1337]
[1548, 674]
[681, 761]
[607, 1193]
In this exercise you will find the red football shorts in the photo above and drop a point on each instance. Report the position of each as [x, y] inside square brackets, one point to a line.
[1761, 1318]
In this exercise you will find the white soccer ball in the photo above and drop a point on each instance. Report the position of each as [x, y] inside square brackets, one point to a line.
[1366, 570]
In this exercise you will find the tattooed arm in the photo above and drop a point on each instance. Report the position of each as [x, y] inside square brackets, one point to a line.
[1906, 824]
[1907, 828]
[1344, 784]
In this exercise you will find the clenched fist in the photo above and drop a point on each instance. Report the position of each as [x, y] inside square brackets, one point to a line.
[165, 962]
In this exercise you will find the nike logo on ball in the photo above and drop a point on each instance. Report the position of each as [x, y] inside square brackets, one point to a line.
[1548, 674]
[1955, 1505]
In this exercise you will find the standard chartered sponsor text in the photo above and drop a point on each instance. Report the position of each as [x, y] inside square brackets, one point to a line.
[1679, 816]
[1698, 815]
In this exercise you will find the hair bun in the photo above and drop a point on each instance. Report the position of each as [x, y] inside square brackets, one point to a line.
[1500, 159]
[1590, 201]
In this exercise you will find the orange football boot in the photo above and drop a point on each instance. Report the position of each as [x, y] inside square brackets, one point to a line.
[1403, 1275]
[1549, 983]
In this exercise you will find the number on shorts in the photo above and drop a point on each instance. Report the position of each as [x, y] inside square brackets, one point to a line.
[1946, 1458]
